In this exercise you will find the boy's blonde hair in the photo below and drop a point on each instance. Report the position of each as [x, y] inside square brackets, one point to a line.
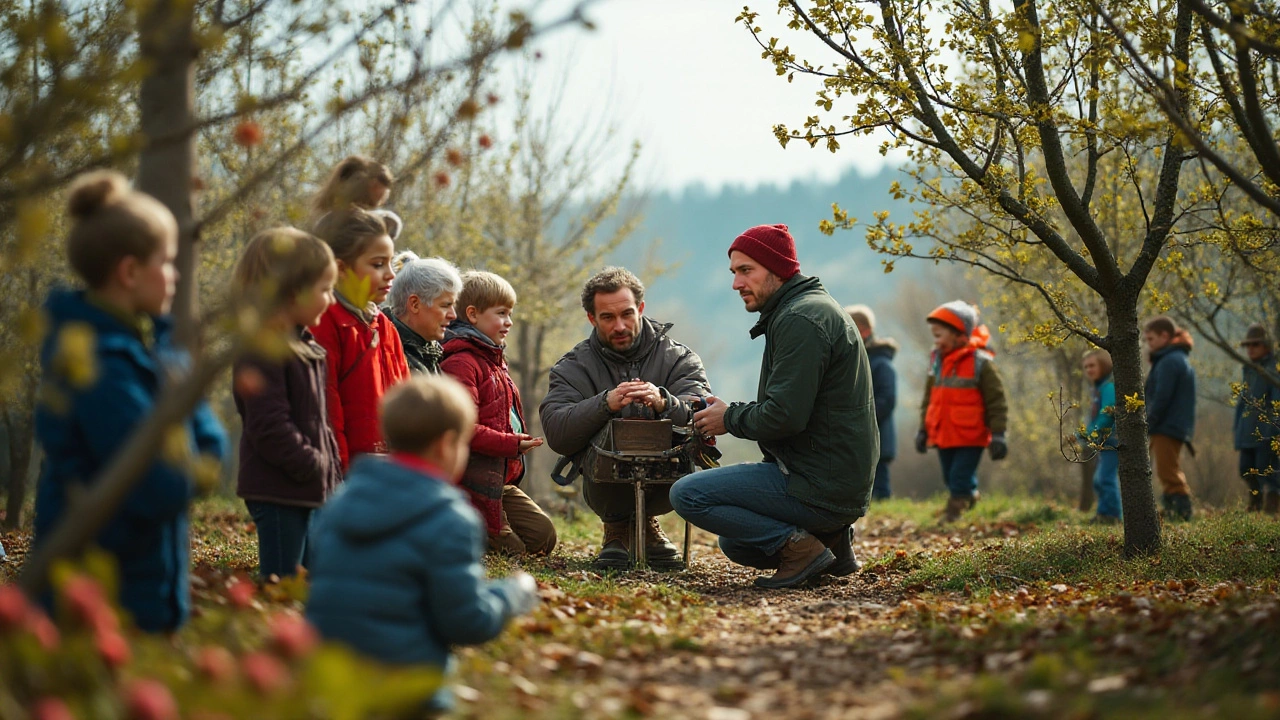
[350, 232]
[419, 411]
[348, 184]
[483, 290]
[110, 222]
[280, 264]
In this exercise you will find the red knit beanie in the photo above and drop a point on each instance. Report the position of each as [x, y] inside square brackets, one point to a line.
[772, 246]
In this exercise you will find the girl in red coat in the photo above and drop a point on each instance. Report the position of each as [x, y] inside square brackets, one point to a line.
[364, 351]
[473, 354]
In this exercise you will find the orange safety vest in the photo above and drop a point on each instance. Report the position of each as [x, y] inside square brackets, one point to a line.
[957, 416]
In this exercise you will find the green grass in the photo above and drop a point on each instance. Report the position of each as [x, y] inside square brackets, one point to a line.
[1216, 547]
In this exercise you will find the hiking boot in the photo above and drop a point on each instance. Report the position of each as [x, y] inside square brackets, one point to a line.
[1271, 505]
[1255, 495]
[615, 553]
[1177, 507]
[803, 557]
[659, 551]
[840, 543]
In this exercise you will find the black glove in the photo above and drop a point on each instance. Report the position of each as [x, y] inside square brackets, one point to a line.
[998, 448]
[922, 442]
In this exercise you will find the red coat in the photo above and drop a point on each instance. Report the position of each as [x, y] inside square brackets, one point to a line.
[365, 360]
[482, 370]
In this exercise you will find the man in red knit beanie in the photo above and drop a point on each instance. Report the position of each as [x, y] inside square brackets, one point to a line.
[814, 419]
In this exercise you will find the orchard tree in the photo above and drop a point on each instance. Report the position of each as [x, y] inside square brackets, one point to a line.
[992, 105]
[171, 36]
[1232, 129]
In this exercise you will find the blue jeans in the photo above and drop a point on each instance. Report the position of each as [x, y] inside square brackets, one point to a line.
[880, 490]
[1106, 483]
[282, 536]
[748, 507]
[960, 469]
[1260, 458]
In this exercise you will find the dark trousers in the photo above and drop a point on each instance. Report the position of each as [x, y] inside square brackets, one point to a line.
[960, 469]
[1254, 463]
[282, 537]
[616, 502]
[880, 490]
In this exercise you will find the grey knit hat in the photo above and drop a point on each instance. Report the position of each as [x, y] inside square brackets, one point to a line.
[957, 314]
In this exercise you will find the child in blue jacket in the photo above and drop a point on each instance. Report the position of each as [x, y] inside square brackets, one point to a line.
[1101, 434]
[396, 569]
[105, 360]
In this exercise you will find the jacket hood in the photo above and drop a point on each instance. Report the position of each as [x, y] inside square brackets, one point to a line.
[1181, 342]
[796, 286]
[381, 496]
[651, 333]
[462, 335]
[65, 306]
[882, 346]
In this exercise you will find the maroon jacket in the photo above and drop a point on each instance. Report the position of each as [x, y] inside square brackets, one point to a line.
[475, 361]
[288, 453]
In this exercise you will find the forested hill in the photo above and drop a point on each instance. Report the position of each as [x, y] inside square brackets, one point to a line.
[695, 227]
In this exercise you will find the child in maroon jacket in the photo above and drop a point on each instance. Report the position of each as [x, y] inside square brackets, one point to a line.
[473, 354]
[365, 354]
[289, 461]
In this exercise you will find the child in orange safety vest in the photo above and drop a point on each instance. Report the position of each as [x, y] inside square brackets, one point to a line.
[964, 408]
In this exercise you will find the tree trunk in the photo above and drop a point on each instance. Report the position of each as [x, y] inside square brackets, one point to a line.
[21, 427]
[1141, 524]
[167, 162]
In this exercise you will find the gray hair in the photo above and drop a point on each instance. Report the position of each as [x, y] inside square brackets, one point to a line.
[428, 278]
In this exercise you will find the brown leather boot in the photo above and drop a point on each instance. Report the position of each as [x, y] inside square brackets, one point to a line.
[803, 557]
[615, 551]
[956, 506]
[1271, 504]
[659, 551]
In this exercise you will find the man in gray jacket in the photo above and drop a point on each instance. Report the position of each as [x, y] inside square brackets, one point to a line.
[627, 368]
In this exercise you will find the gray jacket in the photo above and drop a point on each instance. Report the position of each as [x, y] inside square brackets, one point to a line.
[575, 408]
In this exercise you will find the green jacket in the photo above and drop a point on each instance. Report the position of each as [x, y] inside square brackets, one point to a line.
[814, 414]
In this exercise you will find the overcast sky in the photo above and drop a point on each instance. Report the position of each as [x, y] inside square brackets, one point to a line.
[688, 82]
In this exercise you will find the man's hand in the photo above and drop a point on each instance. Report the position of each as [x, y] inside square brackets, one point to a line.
[646, 393]
[711, 420]
[529, 442]
[620, 396]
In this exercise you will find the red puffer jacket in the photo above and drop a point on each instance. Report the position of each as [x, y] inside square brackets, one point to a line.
[365, 360]
[495, 448]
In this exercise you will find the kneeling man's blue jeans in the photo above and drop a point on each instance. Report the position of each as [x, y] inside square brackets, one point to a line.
[748, 507]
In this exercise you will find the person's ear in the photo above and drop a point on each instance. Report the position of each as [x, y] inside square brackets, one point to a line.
[126, 273]
[472, 314]
[640, 308]
[413, 305]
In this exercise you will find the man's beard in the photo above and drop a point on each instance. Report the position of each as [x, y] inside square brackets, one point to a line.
[611, 341]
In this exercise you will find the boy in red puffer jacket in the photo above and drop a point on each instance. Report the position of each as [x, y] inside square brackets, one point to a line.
[473, 355]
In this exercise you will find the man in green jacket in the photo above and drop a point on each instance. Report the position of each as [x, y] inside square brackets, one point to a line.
[814, 419]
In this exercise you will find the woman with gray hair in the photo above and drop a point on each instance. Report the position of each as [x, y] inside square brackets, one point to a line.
[421, 306]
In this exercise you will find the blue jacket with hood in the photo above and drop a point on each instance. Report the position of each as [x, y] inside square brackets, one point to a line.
[90, 405]
[396, 569]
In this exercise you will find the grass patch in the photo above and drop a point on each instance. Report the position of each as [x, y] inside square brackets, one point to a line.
[1217, 547]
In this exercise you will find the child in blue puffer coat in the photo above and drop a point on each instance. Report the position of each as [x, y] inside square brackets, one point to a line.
[105, 361]
[396, 569]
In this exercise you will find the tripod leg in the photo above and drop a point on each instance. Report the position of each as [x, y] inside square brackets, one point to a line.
[638, 542]
[688, 545]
